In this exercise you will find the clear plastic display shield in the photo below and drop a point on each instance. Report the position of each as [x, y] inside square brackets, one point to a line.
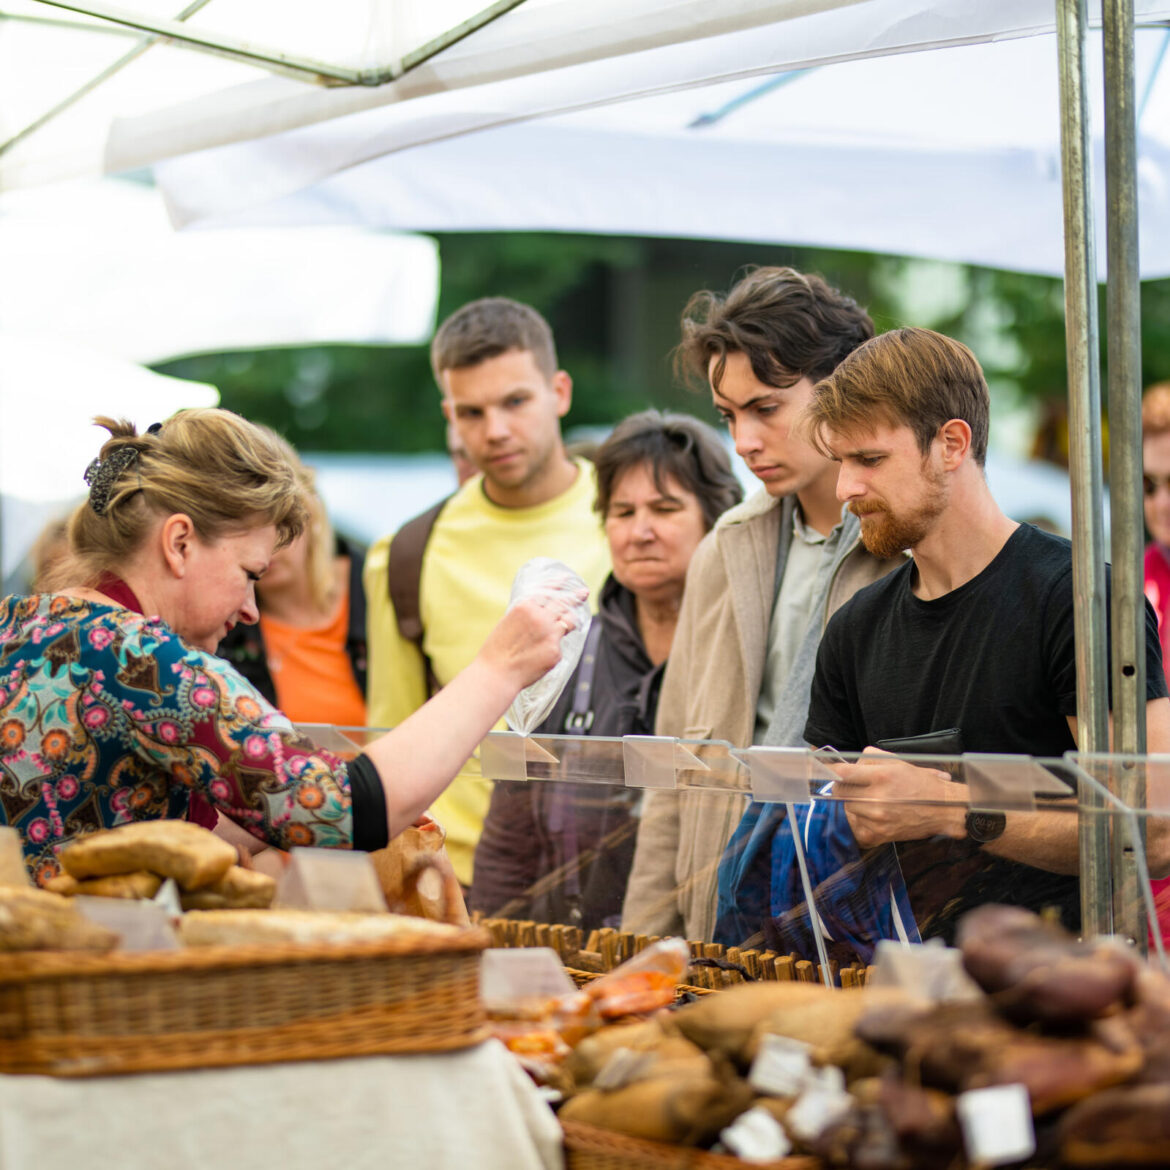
[788, 862]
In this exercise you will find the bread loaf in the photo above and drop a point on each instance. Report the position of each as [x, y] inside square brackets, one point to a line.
[206, 928]
[238, 889]
[35, 920]
[141, 884]
[191, 855]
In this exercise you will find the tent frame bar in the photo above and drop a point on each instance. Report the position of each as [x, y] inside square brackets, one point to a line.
[1085, 460]
[1123, 315]
[241, 50]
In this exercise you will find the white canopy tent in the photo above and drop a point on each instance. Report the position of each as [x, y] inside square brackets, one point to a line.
[950, 154]
[97, 263]
[50, 390]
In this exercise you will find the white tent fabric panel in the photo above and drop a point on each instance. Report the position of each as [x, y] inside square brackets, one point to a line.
[174, 100]
[409, 112]
[952, 154]
[137, 289]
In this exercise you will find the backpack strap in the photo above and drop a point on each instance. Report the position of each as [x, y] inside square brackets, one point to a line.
[404, 571]
[580, 716]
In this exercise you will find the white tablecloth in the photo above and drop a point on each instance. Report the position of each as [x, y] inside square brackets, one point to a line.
[455, 1111]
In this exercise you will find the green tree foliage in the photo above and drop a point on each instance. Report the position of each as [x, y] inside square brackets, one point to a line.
[614, 305]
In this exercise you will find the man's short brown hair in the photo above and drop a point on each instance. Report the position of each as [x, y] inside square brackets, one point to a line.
[788, 325]
[488, 327]
[907, 377]
[1156, 409]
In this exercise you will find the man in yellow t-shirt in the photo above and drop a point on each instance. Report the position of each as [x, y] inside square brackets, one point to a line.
[496, 367]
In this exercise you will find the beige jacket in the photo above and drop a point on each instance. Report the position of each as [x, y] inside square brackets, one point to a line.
[710, 691]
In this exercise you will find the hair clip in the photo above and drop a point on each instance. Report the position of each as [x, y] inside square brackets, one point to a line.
[102, 474]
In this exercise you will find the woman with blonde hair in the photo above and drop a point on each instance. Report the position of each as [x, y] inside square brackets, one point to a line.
[114, 706]
[307, 653]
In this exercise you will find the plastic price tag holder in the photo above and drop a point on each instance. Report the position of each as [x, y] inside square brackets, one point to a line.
[511, 974]
[996, 1125]
[1006, 783]
[781, 1067]
[783, 775]
[928, 970]
[756, 1136]
[143, 925]
[13, 871]
[330, 879]
[329, 738]
[649, 761]
[504, 755]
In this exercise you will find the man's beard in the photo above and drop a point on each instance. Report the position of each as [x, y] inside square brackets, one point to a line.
[886, 534]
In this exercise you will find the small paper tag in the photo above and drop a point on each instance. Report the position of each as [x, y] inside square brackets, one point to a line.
[143, 925]
[623, 1066]
[781, 1067]
[928, 970]
[511, 974]
[167, 899]
[338, 880]
[756, 1136]
[815, 1111]
[997, 1124]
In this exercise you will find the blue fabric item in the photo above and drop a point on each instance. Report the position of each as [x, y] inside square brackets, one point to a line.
[861, 897]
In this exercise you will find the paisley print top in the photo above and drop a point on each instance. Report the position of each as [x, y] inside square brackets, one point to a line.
[108, 717]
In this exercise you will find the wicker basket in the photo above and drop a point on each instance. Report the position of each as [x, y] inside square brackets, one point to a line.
[72, 1014]
[590, 1148]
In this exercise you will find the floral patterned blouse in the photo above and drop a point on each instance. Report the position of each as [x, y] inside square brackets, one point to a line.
[108, 717]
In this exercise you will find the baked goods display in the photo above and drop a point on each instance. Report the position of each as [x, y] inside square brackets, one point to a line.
[1076, 1033]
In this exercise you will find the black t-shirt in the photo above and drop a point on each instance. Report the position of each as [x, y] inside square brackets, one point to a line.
[994, 658]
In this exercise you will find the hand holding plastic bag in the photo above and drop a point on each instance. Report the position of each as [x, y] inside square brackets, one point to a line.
[552, 583]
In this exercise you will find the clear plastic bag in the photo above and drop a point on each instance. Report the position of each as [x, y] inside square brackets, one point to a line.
[542, 577]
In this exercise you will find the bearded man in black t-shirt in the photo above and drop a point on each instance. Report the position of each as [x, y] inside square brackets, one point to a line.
[972, 637]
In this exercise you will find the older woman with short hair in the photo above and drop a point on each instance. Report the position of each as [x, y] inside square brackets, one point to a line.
[561, 852]
[114, 707]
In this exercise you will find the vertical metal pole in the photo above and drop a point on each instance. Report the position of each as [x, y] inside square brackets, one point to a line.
[1123, 313]
[1084, 391]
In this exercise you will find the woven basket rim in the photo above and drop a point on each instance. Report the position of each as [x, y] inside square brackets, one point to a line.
[28, 965]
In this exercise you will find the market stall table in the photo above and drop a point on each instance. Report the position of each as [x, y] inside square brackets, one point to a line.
[469, 1109]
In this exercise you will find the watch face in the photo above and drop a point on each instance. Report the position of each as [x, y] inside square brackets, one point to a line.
[985, 826]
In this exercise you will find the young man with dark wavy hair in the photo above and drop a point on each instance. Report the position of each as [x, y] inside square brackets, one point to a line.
[759, 589]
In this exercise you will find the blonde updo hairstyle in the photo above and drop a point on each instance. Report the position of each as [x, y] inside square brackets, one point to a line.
[225, 473]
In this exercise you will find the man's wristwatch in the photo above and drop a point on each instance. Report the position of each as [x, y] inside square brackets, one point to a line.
[983, 827]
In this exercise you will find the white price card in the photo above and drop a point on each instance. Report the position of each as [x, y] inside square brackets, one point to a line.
[997, 1124]
[511, 974]
[816, 1111]
[781, 1068]
[338, 880]
[756, 1136]
[142, 925]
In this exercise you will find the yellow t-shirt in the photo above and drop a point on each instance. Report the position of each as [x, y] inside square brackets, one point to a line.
[474, 552]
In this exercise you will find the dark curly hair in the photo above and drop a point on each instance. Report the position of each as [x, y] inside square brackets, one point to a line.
[788, 324]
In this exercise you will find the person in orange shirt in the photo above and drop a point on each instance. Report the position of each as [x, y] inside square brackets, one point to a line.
[307, 654]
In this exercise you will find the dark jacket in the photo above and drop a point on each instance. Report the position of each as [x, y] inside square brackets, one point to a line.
[558, 851]
[244, 646]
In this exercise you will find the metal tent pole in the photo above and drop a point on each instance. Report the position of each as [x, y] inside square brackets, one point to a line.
[1084, 391]
[1123, 319]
